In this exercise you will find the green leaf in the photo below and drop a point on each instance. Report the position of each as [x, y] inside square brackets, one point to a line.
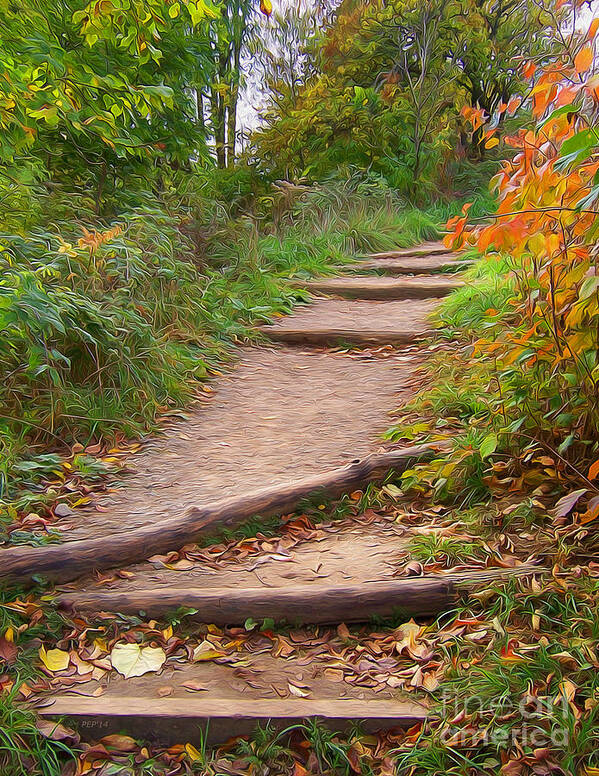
[557, 113]
[588, 287]
[577, 148]
[488, 446]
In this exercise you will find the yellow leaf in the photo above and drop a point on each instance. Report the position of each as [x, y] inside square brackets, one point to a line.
[492, 142]
[266, 7]
[192, 753]
[9, 635]
[54, 659]
[206, 651]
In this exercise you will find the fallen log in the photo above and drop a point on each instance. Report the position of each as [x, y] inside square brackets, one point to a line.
[340, 337]
[72, 559]
[297, 604]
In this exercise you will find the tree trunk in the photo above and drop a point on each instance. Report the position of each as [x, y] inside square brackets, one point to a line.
[218, 127]
[232, 126]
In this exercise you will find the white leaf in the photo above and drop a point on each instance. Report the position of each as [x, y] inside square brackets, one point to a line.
[133, 660]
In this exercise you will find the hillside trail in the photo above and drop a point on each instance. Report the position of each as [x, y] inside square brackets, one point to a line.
[316, 395]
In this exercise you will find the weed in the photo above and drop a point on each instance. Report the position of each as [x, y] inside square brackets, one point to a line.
[23, 748]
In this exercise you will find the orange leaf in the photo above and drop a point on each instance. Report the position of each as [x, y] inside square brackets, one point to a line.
[593, 470]
[584, 59]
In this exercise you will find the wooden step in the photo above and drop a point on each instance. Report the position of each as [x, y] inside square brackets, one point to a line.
[333, 338]
[410, 266]
[297, 604]
[425, 249]
[293, 604]
[213, 720]
[355, 323]
[383, 288]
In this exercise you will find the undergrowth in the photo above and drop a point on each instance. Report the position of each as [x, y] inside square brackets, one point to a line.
[107, 325]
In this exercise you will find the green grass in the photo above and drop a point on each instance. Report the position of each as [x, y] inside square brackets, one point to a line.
[99, 340]
[520, 703]
[477, 308]
[23, 748]
[434, 548]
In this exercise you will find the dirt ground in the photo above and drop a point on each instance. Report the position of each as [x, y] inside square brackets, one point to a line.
[409, 315]
[282, 414]
[353, 551]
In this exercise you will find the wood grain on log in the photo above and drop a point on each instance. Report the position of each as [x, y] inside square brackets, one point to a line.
[415, 266]
[72, 559]
[212, 720]
[437, 249]
[298, 604]
[336, 337]
[383, 288]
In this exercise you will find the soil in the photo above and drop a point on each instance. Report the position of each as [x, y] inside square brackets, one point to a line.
[281, 415]
[356, 315]
[333, 554]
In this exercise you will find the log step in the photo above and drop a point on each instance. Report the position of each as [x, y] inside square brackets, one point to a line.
[294, 604]
[341, 337]
[359, 323]
[409, 266]
[297, 604]
[383, 288]
[200, 721]
[425, 249]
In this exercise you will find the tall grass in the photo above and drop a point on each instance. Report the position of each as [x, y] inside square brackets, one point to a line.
[106, 325]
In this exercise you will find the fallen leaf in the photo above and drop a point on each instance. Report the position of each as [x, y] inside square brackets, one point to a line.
[54, 659]
[343, 631]
[133, 660]
[567, 503]
[205, 651]
[8, 650]
[194, 686]
[120, 743]
[57, 732]
[298, 691]
[192, 753]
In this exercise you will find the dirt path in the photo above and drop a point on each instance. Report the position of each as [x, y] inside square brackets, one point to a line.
[284, 413]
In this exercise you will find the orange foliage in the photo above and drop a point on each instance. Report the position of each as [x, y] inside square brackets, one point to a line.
[547, 220]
